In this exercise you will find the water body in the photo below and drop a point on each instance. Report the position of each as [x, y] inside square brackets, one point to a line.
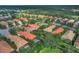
[5, 32]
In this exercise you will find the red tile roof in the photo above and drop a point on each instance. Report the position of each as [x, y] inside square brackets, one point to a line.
[58, 30]
[27, 35]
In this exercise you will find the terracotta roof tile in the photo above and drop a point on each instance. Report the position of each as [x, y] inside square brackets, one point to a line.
[27, 35]
[58, 30]
[5, 47]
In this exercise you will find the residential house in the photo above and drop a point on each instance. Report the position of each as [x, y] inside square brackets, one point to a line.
[24, 19]
[69, 35]
[76, 24]
[50, 28]
[31, 27]
[5, 47]
[21, 21]
[71, 21]
[27, 35]
[18, 41]
[58, 30]
[60, 21]
[64, 21]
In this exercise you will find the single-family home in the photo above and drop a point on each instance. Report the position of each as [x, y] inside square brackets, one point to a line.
[69, 35]
[76, 24]
[27, 35]
[31, 27]
[58, 30]
[71, 21]
[19, 42]
[50, 28]
[64, 21]
[21, 21]
[5, 47]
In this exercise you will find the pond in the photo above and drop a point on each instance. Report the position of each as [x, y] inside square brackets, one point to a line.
[4, 32]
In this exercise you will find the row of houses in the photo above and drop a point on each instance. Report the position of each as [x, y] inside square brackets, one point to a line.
[54, 29]
[20, 42]
[67, 21]
[38, 16]
[6, 48]
[70, 34]
[64, 21]
[67, 35]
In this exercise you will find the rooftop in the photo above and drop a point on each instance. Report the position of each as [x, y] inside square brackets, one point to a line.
[58, 30]
[17, 40]
[5, 47]
[27, 35]
[31, 27]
